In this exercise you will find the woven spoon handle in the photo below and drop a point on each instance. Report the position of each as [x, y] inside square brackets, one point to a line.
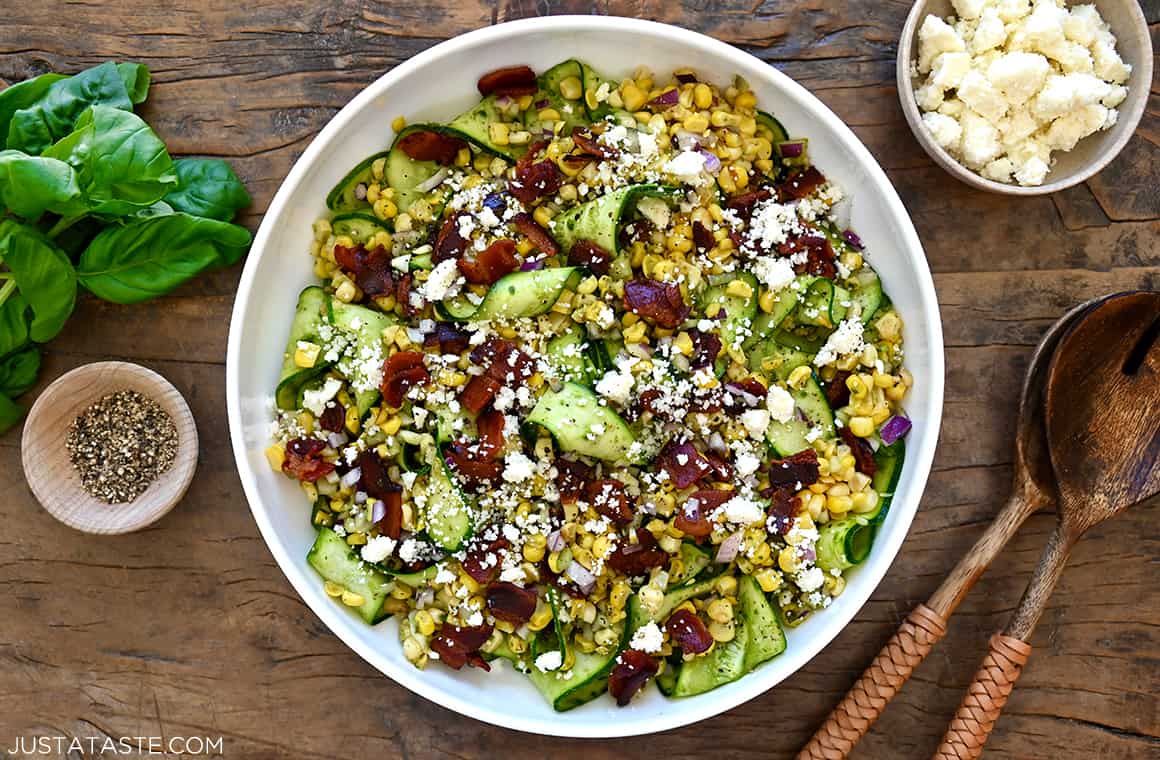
[866, 700]
[985, 699]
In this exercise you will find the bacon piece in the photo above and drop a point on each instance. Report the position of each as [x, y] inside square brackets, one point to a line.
[403, 295]
[490, 425]
[449, 244]
[459, 645]
[471, 463]
[636, 231]
[648, 401]
[571, 477]
[507, 364]
[837, 393]
[478, 393]
[693, 517]
[535, 179]
[429, 145]
[333, 417]
[688, 631]
[589, 145]
[637, 559]
[862, 451]
[632, 670]
[304, 460]
[448, 338]
[743, 204]
[706, 347]
[719, 468]
[374, 479]
[370, 270]
[391, 523]
[609, 498]
[703, 237]
[483, 561]
[801, 183]
[490, 264]
[511, 603]
[539, 237]
[401, 372]
[657, 302]
[784, 506]
[820, 257]
[585, 253]
[511, 81]
[684, 464]
[801, 468]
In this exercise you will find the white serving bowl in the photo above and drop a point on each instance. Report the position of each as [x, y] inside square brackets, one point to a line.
[436, 85]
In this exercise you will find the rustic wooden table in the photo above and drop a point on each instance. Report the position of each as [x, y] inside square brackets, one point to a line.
[189, 628]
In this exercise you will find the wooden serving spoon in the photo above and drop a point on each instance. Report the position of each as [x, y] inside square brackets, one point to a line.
[1033, 489]
[1103, 431]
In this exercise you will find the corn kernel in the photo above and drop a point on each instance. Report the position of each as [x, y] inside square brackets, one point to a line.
[768, 579]
[398, 123]
[634, 98]
[787, 559]
[346, 292]
[722, 632]
[351, 599]
[798, 378]
[516, 644]
[276, 455]
[889, 326]
[386, 209]
[332, 589]
[726, 585]
[863, 427]
[392, 425]
[739, 289]
[745, 100]
[838, 505]
[353, 424]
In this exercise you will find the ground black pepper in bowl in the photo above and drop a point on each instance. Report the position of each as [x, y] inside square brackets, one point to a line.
[120, 444]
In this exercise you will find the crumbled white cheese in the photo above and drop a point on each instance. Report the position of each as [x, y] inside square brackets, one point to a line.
[756, 422]
[655, 210]
[772, 224]
[773, 273]
[443, 282]
[616, 386]
[779, 403]
[845, 340]
[549, 661]
[742, 511]
[316, 400]
[518, 467]
[648, 638]
[686, 166]
[810, 579]
[378, 548]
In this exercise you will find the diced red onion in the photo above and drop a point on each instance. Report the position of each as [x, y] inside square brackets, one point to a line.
[896, 427]
[532, 265]
[378, 510]
[791, 149]
[556, 541]
[852, 238]
[542, 103]
[581, 576]
[712, 163]
[687, 140]
[503, 101]
[337, 439]
[685, 78]
[360, 497]
[433, 181]
[809, 554]
[667, 98]
[729, 548]
[351, 477]
[736, 390]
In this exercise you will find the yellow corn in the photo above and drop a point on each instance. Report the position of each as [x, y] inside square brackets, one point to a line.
[571, 88]
[798, 378]
[768, 579]
[332, 589]
[541, 617]
[634, 98]
[739, 289]
[398, 123]
[722, 632]
[276, 455]
[352, 421]
[787, 559]
[351, 599]
[863, 427]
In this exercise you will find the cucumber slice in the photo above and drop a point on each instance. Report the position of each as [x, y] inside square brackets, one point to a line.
[586, 680]
[600, 220]
[724, 663]
[889, 461]
[447, 515]
[404, 173]
[336, 562]
[866, 293]
[667, 679]
[474, 125]
[359, 226]
[776, 360]
[566, 353]
[519, 294]
[367, 326]
[739, 312]
[766, 639]
[676, 597]
[572, 112]
[312, 311]
[344, 195]
[824, 305]
[694, 559]
[788, 438]
[770, 123]
[844, 543]
[580, 424]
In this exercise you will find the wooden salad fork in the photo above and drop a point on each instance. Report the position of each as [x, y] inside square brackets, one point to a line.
[1033, 489]
[1103, 433]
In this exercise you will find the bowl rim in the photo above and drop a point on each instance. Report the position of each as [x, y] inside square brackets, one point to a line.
[1141, 73]
[921, 458]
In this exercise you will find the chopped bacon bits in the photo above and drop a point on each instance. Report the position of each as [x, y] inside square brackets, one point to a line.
[449, 244]
[403, 296]
[632, 670]
[693, 516]
[587, 144]
[401, 372]
[510, 603]
[429, 145]
[467, 460]
[684, 464]
[639, 558]
[800, 184]
[370, 270]
[743, 204]
[688, 632]
[490, 425]
[539, 237]
[478, 393]
[304, 460]
[490, 264]
[706, 347]
[657, 302]
[609, 498]
[458, 646]
[506, 365]
[801, 468]
[571, 477]
[535, 179]
[837, 392]
[820, 257]
[784, 506]
[585, 253]
[448, 338]
[333, 417]
[703, 238]
[862, 451]
[483, 561]
[512, 81]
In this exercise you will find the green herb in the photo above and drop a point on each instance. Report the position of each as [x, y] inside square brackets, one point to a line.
[84, 179]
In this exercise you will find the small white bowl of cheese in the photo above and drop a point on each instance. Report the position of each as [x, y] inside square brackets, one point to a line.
[1024, 97]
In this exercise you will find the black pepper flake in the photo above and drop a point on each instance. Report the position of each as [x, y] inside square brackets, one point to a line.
[120, 444]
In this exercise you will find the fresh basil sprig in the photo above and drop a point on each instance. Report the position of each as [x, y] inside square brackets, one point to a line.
[83, 179]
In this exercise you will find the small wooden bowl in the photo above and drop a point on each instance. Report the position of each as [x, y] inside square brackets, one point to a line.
[50, 472]
[1094, 152]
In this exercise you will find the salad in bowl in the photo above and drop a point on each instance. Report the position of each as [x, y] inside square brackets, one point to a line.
[594, 382]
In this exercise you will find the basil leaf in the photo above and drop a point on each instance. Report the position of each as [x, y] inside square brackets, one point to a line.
[207, 187]
[22, 95]
[18, 372]
[136, 79]
[10, 413]
[50, 118]
[149, 257]
[31, 185]
[44, 276]
[121, 164]
[13, 324]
